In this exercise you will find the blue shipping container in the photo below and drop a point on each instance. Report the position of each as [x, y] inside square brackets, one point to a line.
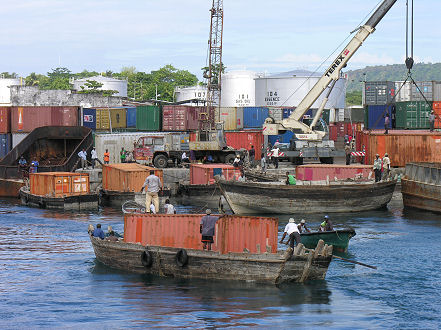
[376, 116]
[131, 117]
[89, 118]
[254, 117]
[288, 111]
[5, 144]
[283, 138]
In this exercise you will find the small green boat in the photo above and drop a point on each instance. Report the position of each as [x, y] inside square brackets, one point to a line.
[338, 238]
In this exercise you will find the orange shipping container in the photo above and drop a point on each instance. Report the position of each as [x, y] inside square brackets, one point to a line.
[233, 233]
[204, 173]
[437, 110]
[127, 177]
[403, 146]
[5, 120]
[59, 184]
[245, 139]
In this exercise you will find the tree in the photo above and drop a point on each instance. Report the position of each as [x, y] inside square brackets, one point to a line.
[36, 79]
[353, 98]
[92, 86]
[206, 71]
[57, 79]
[9, 75]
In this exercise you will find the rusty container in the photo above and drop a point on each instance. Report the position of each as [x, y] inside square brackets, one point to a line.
[181, 117]
[5, 120]
[437, 110]
[26, 119]
[232, 118]
[232, 233]
[59, 184]
[127, 177]
[319, 172]
[204, 173]
[403, 146]
[245, 139]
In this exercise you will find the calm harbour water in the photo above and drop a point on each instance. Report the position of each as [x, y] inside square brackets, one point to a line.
[50, 279]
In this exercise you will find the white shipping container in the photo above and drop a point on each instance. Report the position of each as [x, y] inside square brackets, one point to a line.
[422, 91]
[403, 91]
[17, 138]
[332, 115]
[232, 118]
[436, 89]
[341, 115]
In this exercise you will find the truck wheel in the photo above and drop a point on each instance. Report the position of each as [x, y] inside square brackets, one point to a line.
[327, 160]
[160, 161]
[229, 159]
[297, 160]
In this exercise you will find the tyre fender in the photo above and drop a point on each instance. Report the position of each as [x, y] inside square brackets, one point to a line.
[146, 258]
[181, 258]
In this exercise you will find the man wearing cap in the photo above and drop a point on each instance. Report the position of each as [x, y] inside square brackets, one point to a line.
[326, 225]
[377, 167]
[302, 226]
[293, 233]
[207, 227]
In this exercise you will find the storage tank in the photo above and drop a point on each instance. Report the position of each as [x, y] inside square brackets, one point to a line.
[108, 84]
[5, 93]
[238, 89]
[289, 88]
[196, 93]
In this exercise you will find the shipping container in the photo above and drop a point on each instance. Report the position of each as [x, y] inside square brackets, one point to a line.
[5, 144]
[204, 173]
[354, 114]
[59, 184]
[114, 142]
[254, 117]
[379, 92]
[130, 117]
[319, 172]
[17, 138]
[333, 132]
[282, 138]
[127, 177]
[422, 91]
[148, 118]
[181, 117]
[437, 109]
[403, 146]
[403, 91]
[111, 118]
[89, 118]
[26, 119]
[436, 89]
[5, 120]
[376, 115]
[246, 139]
[233, 233]
[413, 115]
[232, 118]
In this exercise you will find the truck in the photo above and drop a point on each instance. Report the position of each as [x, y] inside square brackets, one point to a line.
[312, 140]
[164, 149]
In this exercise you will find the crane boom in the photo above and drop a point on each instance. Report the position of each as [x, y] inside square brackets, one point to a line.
[294, 122]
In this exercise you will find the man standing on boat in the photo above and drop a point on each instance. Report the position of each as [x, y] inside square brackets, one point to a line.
[207, 227]
[386, 166]
[377, 167]
[326, 225]
[293, 232]
[153, 184]
[302, 226]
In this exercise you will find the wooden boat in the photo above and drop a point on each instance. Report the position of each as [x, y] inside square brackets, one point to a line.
[277, 198]
[117, 198]
[256, 176]
[339, 239]
[421, 186]
[169, 245]
[73, 202]
[204, 195]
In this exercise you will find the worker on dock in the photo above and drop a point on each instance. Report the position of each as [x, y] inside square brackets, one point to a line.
[386, 123]
[432, 120]
[34, 166]
[290, 179]
[153, 184]
[302, 226]
[326, 225]
[348, 151]
[386, 167]
[241, 178]
[251, 155]
[275, 155]
[106, 157]
[94, 157]
[293, 232]
[22, 166]
[207, 228]
[263, 162]
[122, 155]
[377, 167]
[83, 157]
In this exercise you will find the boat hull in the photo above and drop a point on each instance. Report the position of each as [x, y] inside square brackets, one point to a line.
[118, 198]
[261, 268]
[74, 203]
[339, 239]
[10, 187]
[258, 198]
[421, 195]
[201, 195]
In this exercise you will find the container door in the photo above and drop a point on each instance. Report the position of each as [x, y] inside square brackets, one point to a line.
[62, 185]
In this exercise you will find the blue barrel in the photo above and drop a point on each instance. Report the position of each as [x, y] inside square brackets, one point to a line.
[89, 118]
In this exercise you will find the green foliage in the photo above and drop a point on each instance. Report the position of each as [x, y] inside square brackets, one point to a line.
[57, 79]
[93, 87]
[9, 75]
[354, 98]
[215, 73]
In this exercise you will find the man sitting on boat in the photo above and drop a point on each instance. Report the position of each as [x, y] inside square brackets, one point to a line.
[208, 223]
[293, 232]
[302, 226]
[326, 225]
[98, 232]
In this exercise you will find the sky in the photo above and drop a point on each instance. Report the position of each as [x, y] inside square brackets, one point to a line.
[262, 36]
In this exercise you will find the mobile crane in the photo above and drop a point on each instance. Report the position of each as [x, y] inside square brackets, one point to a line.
[307, 141]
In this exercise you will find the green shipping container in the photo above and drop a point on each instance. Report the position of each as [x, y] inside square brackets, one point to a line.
[148, 118]
[412, 115]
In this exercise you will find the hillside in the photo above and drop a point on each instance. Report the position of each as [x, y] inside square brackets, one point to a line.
[394, 72]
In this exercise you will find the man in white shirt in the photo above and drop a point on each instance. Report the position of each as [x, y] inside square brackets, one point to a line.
[386, 166]
[82, 154]
[93, 157]
[275, 155]
[153, 184]
[169, 208]
[293, 232]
